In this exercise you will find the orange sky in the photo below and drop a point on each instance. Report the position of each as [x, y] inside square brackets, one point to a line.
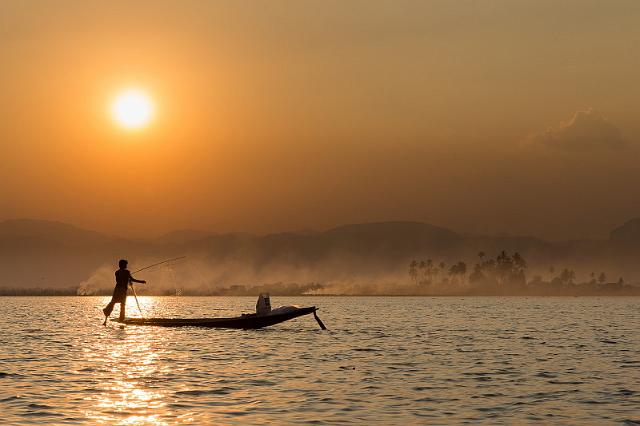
[295, 114]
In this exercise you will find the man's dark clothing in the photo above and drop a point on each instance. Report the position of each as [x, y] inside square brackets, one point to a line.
[123, 276]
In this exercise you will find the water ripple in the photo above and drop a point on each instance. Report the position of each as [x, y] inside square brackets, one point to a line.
[382, 361]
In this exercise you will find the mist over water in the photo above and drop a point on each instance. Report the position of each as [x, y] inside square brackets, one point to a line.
[382, 361]
[199, 275]
[205, 276]
[363, 259]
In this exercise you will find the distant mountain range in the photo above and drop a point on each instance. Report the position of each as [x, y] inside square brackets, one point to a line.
[45, 254]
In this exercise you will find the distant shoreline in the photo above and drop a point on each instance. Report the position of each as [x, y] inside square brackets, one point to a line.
[345, 295]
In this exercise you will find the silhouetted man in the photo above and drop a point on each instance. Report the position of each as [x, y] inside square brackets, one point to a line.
[123, 279]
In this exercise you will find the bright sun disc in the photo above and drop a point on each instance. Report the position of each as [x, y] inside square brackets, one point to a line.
[132, 109]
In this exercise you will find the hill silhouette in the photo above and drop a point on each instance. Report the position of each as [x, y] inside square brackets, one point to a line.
[629, 232]
[49, 232]
[46, 254]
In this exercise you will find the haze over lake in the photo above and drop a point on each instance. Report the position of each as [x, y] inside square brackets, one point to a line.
[384, 258]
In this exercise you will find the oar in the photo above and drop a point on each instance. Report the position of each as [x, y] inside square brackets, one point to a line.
[318, 320]
[136, 297]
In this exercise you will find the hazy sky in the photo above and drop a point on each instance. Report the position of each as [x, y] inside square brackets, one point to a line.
[482, 116]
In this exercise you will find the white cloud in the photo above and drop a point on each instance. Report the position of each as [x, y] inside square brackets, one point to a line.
[586, 131]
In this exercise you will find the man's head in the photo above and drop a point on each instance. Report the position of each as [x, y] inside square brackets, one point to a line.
[122, 264]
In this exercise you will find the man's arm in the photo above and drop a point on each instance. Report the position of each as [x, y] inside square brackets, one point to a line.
[131, 279]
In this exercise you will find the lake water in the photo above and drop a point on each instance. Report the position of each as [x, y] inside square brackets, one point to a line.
[383, 360]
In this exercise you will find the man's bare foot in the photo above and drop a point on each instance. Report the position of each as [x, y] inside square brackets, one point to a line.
[105, 321]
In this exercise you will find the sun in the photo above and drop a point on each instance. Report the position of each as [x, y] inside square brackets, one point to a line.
[132, 109]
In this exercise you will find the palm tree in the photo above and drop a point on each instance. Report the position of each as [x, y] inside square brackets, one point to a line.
[413, 271]
[519, 261]
[457, 271]
[602, 278]
[567, 276]
[422, 267]
[462, 268]
[430, 271]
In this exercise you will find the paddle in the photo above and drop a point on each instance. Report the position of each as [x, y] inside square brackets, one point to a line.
[136, 297]
[319, 320]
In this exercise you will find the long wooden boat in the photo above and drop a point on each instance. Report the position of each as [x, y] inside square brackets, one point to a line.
[245, 321]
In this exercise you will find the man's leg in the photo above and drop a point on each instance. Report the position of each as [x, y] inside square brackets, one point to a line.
[107, 311]
[121, 312]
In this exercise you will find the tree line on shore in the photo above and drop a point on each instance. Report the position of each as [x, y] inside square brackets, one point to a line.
[504, 274]
[507, 274]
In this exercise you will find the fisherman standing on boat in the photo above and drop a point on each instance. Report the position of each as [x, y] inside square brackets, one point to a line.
[123, 280]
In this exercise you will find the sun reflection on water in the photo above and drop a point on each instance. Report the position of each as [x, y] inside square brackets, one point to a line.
[128, 390]
[149, 305]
